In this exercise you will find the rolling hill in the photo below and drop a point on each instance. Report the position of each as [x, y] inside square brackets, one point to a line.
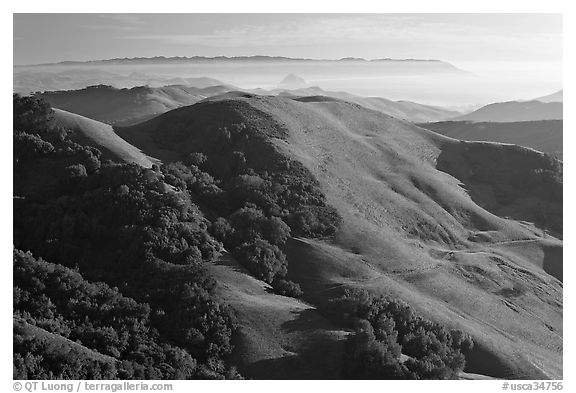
[468, 233]
[544, 135]
[404, 110]
[130, 106]
[127, 106]
[514, 111]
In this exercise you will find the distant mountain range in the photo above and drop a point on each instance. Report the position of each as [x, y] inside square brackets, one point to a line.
[204, 59]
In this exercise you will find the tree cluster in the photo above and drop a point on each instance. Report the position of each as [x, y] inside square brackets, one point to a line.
[122, 225]
[385, 328]
[60, 301]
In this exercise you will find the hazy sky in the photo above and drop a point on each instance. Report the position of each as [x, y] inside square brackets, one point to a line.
[457, 38]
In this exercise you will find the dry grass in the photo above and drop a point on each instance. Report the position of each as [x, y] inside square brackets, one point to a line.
[279, 337]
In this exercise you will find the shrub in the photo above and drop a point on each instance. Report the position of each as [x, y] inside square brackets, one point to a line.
[197, 159]
[368, 358]
[315, 221]
[221, 229]
[76, 171]
[287, 288]
[31, 114]
[275, 230]
[28, 146]
[264, 260]
[250, 223]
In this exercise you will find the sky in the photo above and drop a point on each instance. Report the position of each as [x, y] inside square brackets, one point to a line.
[456, 38]
[511, 56]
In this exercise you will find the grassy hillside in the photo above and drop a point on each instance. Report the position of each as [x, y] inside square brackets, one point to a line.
[102, 136]
[544, 135]
[421, 220]
[279, 337]
[513, 111]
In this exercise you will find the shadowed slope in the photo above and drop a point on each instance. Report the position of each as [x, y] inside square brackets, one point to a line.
[408, 229]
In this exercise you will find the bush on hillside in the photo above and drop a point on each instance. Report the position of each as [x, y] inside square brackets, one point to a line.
[369, 358]
[385, 328]
[287, 288]
[264, 260]
[250, 223]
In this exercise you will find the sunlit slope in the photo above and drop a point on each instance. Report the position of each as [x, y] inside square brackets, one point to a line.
[410, 229]
[102, 136]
